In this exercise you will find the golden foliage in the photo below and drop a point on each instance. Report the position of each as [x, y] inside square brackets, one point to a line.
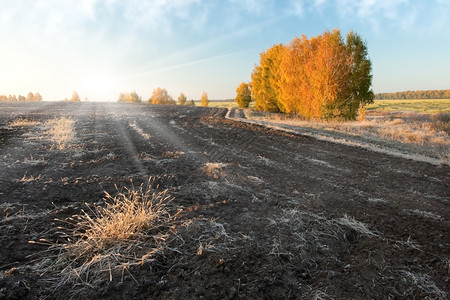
[361, 113]
[265, 80]
[132, 97]
[204, 101]
[161, 96]
[244, 95]
[319, 77]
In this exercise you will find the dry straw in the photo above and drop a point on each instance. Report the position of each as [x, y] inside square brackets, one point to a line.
[61, 132]
[106, 240]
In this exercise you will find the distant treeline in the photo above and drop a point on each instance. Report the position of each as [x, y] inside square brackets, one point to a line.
[29, 97]
[430, 94]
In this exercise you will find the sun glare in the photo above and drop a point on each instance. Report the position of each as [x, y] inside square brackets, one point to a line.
[99, 86]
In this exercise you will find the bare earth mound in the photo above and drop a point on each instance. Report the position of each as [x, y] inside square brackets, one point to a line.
[253, 212]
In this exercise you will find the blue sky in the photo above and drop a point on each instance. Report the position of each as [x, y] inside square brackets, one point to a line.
[100, 48]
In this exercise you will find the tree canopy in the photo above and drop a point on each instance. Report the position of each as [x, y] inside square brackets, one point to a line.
[132, 97]
[244, 95]
[317, 77]
[182, 99]
[204, 101]
[161, 96]
[75, 97]
[266, 80]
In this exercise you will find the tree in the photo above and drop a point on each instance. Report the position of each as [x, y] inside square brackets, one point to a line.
[204, 101]
[21, 98]
[315, 73]
[191, 102]
[132, 97]
[37, 97]
[244, 95]
[75, 97]
[122, 98]
[265, 85]
[331, 83]
[361, 71]
[161, 96]
[182, 99]
[317, 77]
[30, 97]
[295, 67]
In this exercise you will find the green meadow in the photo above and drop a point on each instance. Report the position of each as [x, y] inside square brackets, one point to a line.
[413, 105]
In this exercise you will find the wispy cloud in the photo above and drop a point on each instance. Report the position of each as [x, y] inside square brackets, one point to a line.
[407, 16]
[374, 12]
[253, 6]
[186, 64]
[50, 16]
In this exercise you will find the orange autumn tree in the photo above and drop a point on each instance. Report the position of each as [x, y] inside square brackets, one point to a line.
[295, 94]
[265, 80]
[320, 77]
[244, 95]
[330, 80]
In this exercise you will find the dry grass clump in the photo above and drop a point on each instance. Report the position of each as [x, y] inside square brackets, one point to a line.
[22, 123]
[424, 214]
[31, 178]
[130, 229]
[34, 161]
[441, 122]
[356, 225]
[213, 238]
[314, 234]
[361, 113]
[418, 282]
[61, 132]
[214, 169]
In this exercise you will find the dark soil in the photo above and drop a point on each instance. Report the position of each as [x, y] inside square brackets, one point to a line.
[276, 215]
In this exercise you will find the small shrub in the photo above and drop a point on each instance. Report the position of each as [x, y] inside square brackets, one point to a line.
[361, 113]
[441, 122]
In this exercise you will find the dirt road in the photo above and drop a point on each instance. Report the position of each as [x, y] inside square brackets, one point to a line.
[276, 215]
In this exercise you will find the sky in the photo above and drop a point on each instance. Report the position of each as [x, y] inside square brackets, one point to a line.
[100, 48]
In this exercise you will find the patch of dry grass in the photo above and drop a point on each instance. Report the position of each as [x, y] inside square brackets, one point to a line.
[31, 178]
[34, 161]
[424, 214]
[61, 132]
[22, 123]
[423, 283]
[356, 225]
[313, 234]
[129, 229]
[214, 169]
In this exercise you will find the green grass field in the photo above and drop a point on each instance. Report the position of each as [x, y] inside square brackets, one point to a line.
[421, 106]
[222, 104]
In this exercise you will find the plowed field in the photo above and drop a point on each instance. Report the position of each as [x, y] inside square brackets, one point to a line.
[261, 213]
